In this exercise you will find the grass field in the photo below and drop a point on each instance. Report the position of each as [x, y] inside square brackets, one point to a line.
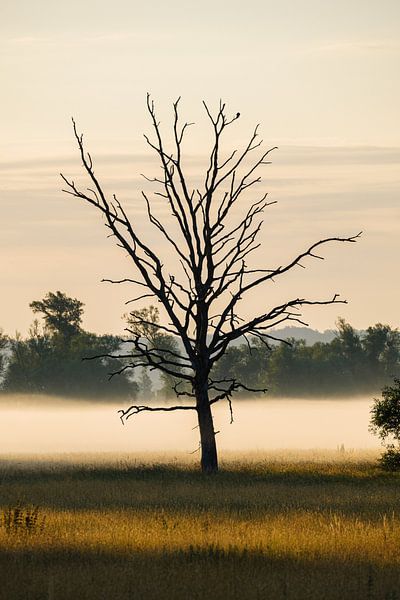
[271, 526]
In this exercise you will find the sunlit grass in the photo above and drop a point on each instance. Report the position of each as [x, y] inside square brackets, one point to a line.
[290, 534]
[282, 525]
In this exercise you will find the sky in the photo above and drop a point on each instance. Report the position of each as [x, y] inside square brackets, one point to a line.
[320, 77]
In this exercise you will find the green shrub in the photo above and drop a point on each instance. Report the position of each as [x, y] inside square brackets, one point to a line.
[390, 459]
[385, 422]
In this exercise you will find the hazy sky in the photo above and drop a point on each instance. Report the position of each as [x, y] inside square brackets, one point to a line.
[321, 78]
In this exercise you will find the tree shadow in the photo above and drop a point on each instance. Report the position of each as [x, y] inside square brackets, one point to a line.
[245, 490]
[192, 573]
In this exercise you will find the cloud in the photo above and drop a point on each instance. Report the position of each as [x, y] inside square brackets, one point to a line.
[287, 154]
[63, 160]
[67, 39]
[357, 46]
[338, 155]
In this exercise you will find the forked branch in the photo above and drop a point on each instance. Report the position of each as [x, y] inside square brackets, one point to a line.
[204, 272]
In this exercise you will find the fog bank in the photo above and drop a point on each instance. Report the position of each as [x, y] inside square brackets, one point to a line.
[28, 425]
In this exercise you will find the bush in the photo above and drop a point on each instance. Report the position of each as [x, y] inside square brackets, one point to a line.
[390, 460]
[385, 422]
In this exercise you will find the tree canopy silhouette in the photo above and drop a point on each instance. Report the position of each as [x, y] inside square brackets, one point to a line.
[385, 422]
[50, 359]
[62, 315]
[212, 245]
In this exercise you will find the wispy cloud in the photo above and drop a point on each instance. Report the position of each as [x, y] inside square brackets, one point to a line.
[339, 155]
[356, 46]
[287, 154]
[99, 38]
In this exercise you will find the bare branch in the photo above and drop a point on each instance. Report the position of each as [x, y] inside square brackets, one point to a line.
[136, 409]
[213, 245]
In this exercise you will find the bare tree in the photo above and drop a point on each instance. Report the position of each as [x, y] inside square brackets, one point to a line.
[212, 245]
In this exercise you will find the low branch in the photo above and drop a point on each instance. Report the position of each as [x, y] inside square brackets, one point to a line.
[136, 409]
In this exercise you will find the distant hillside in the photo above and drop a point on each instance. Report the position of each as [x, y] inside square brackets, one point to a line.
[311, 336]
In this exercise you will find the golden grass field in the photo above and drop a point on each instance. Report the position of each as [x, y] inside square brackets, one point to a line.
[296, 526]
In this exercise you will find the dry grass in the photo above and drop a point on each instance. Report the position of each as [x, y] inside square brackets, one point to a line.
[280, 526]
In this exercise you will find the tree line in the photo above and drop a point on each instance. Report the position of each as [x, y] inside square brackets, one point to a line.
[352, 363]
[58, 357]
[55, 359]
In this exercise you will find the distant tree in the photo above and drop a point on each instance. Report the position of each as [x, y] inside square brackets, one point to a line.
[62, 314]
[381, 345]
[347, 357]
[385, 422]
[348, 339]
[144, 323]
[4, 343]
[145, 385]
[248, 363]
[29, 361]
[283, 367]
[211, 239]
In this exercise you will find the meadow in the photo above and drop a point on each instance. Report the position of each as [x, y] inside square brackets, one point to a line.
[278, 525]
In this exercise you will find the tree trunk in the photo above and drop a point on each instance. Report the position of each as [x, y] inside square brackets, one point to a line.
[209, 459]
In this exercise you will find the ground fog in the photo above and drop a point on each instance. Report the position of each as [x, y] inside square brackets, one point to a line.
[46, 425]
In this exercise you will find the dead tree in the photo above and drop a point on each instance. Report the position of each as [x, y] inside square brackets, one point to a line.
[200, 298]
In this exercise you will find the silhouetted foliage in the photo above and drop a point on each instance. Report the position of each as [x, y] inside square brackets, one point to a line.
[144, 323]
[3, 359]
[62, 315]
[385, 422]
[51, 359]
[352, 363]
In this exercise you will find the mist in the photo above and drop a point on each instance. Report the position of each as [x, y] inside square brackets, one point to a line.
[38, 425]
